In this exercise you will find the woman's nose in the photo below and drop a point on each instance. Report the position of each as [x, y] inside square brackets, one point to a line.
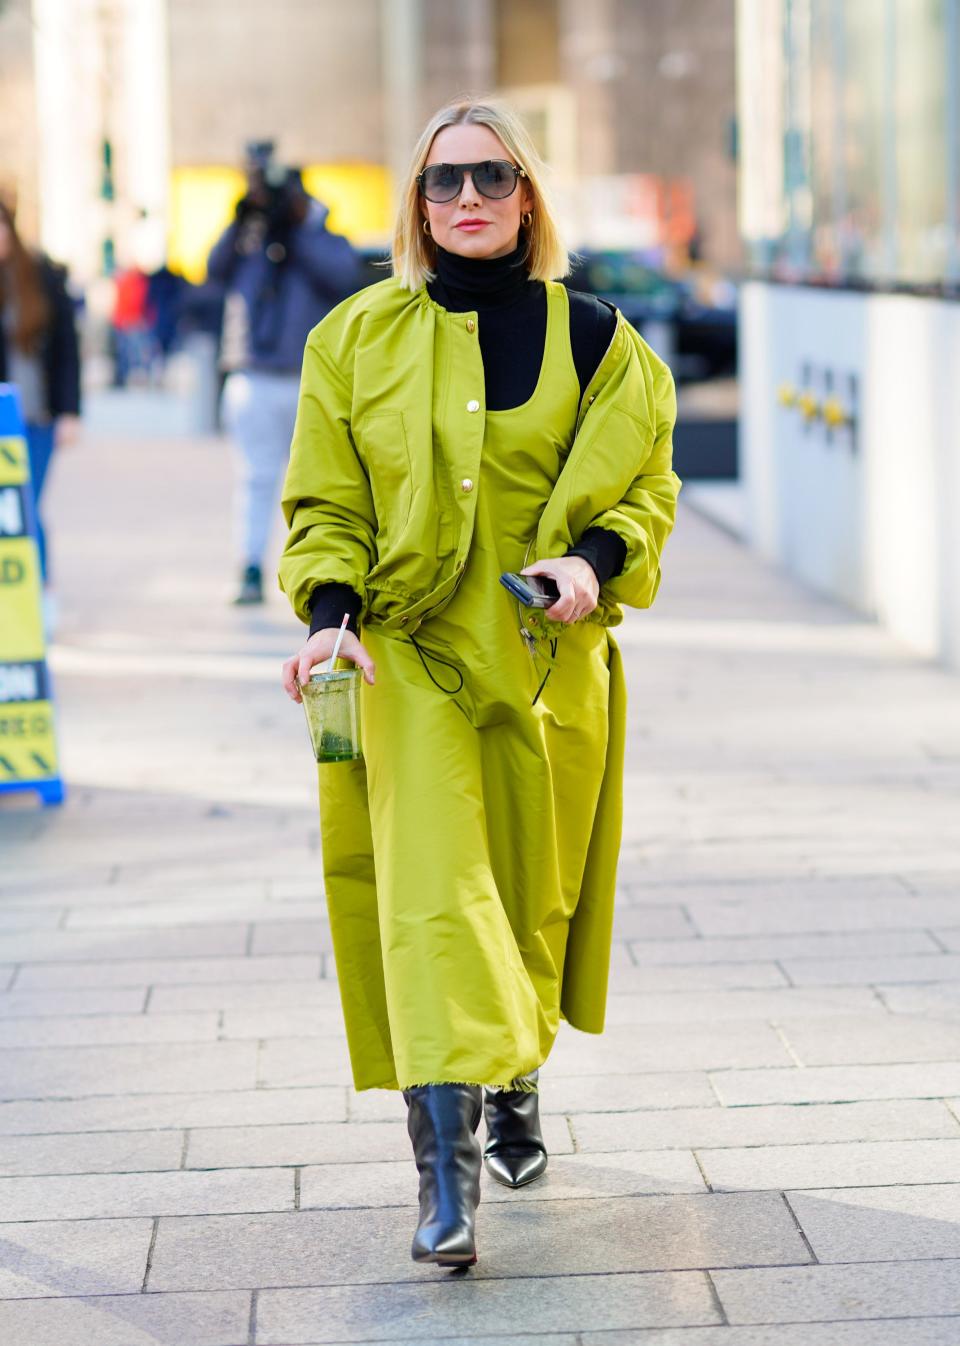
[468, 193]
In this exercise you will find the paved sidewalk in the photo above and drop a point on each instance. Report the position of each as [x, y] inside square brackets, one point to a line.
[761, 1150]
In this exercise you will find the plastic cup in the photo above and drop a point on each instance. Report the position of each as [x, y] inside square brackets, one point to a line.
[332, 705]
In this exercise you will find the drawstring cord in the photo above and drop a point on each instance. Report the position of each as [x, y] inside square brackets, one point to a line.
[450, 691]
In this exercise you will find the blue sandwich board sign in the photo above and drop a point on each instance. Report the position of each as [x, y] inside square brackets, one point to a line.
[28, 741]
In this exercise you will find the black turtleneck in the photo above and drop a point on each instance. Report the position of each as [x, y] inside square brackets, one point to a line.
[512, 332]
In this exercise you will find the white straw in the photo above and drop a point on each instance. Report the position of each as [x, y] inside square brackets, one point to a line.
[336, 648]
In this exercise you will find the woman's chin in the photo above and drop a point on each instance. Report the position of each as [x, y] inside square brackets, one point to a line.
[476, 244]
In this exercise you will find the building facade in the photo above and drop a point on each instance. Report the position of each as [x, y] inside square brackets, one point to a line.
[126, 119]
[850, 322]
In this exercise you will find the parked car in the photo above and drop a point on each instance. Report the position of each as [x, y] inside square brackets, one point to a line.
[704, 335]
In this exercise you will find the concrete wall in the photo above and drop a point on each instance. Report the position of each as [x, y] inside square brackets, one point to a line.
[867, 512]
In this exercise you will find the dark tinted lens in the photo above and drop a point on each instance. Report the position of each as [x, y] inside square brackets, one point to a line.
[441, 182]
[495, 178]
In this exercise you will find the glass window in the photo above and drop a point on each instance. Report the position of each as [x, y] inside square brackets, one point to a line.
[865, 124]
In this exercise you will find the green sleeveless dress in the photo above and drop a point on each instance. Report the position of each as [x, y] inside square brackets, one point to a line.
[454, 854]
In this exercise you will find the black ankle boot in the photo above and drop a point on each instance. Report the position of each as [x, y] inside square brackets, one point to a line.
[442, 1120]
[514, 1153]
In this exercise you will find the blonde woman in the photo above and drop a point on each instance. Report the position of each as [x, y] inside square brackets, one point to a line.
[464, 419]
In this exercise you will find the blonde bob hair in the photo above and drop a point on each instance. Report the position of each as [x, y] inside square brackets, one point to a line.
[414, 253]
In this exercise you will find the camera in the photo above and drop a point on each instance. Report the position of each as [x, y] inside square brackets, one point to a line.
[275, 199]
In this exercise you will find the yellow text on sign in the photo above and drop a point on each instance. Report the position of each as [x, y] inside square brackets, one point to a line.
[13, 460]
[28, 745]
[21, 622]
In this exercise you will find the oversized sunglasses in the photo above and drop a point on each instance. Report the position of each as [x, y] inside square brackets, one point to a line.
[493, 178]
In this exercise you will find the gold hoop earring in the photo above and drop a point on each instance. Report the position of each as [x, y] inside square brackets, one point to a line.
[526, 218]
[426, 227]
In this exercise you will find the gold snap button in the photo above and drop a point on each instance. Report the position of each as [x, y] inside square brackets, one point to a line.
[471, 325]
[466, 485]
[591, 397]
[473, 405]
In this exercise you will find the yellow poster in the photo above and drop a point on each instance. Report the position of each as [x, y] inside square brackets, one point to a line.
[28, 745]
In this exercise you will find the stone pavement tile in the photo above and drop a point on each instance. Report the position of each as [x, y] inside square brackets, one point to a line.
[46, 946]
[30, 1004]
[568, 1178]
[325, 1143]
[169, 971]
[8, 972]
[146, 1112]
[837, 1084]
[949, 936]
[880, 1223]
[198, 911]
[855, 971]
[97, 1195]
[524, 1339]
[91, 1152]
[289, 1062]
[940, 999]
[652, 922]
[127, 1320]
[515, 1238]
[91, 1030]
[857, 1290]
[289, 936]
[237, 995]
[853, 1040]
[424, 1312]
[70, 1257]
[28, 918]
[614, 1093]
[696, 976]
[688, 1046]
[756, 948]
[775, 1124]
[705, 1006]
[293, 1021]
[860, 1332]
[834, 913]
[62, 1072]
[842, 1164]
[787, 888]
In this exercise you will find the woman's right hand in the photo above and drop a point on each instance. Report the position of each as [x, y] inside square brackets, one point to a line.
[317, 650]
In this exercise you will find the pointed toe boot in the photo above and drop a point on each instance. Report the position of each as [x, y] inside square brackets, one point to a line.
[514, 1153]
[442, 1120]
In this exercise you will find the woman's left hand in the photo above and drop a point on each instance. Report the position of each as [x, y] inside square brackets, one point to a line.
[577, 581]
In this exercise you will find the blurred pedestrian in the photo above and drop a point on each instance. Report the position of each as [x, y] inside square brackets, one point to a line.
[40, 354]
[282, 270]
[470, 434]
[132, 320]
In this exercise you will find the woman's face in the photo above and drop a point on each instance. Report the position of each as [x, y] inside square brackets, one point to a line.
[471, 224]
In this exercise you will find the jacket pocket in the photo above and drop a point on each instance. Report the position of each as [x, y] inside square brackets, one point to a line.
[382, 442]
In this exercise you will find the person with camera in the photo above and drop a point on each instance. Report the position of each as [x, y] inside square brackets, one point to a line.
[282, 270]
[471, 436]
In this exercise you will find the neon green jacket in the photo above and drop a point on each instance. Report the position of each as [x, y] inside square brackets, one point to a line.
[387, 444]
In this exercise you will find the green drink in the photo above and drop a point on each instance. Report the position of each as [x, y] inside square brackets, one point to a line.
[331, 702]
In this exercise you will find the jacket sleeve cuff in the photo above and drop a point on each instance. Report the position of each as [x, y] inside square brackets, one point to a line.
[329, 602]
[606, 552]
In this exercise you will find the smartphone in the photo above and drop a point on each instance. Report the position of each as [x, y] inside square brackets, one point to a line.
[537, 591]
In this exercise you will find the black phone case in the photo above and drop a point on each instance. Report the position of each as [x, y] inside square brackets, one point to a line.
[516, 585]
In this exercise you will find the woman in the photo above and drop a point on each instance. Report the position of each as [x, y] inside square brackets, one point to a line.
[465, 418]
[38, 353]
